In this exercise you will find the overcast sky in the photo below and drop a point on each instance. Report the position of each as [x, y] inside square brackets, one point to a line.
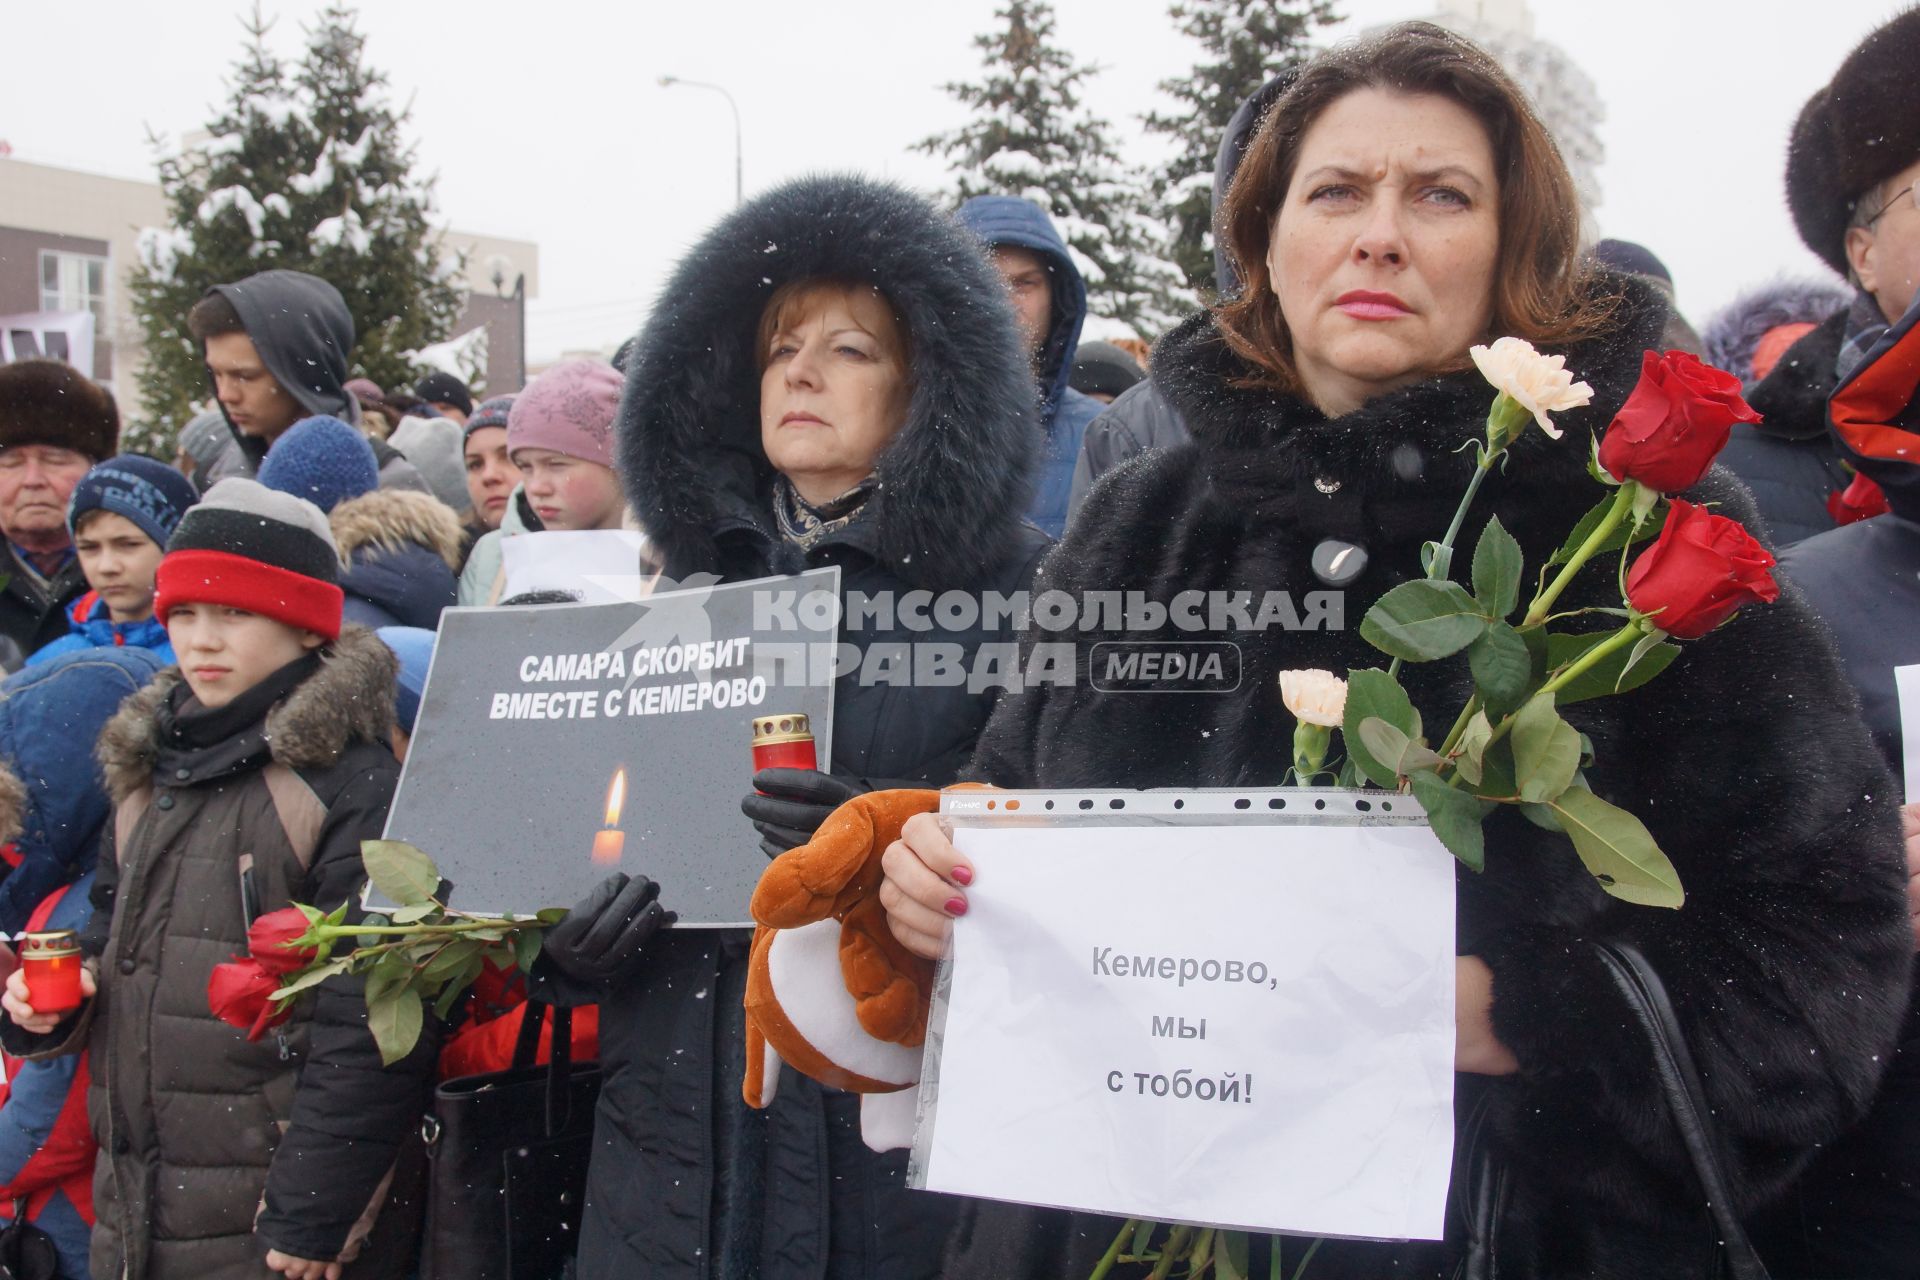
[546, 121]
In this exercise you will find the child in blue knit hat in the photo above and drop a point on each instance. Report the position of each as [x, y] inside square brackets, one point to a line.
[121, 514]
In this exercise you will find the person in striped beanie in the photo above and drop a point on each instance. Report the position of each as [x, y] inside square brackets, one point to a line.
[243, 782]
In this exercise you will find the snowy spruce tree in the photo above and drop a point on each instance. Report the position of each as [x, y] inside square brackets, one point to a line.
[1244, 44]
[304, 167]
[1028, 135]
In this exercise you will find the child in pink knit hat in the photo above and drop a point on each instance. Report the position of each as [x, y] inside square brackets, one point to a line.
[560, 435]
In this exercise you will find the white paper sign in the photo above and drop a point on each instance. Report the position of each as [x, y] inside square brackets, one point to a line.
[1092, 970]
[1907, 681]
[595, 566]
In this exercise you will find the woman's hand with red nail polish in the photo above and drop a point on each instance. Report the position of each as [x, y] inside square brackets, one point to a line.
[922, 869]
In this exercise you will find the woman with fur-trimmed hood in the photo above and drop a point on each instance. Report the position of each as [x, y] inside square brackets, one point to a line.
[832, 377]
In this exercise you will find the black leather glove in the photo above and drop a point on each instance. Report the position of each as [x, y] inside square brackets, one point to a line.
[796, 802]
[602, 938]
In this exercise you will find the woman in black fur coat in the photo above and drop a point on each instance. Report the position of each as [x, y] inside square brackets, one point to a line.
[1400, 204]
[831, 377]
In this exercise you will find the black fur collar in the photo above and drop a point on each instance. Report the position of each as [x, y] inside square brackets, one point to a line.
[1792, 398]
[1261, 447]
[955, 481]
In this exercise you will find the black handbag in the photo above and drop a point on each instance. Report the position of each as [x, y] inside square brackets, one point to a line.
[1686, 1101]
[508, 1172]
[26, 1252]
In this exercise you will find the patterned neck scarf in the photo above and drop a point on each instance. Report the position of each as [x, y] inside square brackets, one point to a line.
[803, 524]
[1865, 326]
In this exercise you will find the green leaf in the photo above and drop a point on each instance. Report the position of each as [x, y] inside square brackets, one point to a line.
[1472, 748]
[448, 997]
[312, 978]
[1497, 565]
[1436, 561]
[416, 913]
[1372, 692]
[1625, 535]
[1546, 750]
[1394, 750]
[1609, 675]
[1541, 816]
[400, 871]
[395, 1020]
[1455, 817]
[1502, 668]
[526, 949]
[1230, 1256]
[1422, 620]
[1142, 1236]
[449, 959]
[1618, 850]
[550, 915]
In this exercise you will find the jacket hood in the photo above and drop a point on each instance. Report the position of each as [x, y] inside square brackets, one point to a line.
[1012, 220]
[395, 519]
[303, 331]
[50, 716]
[348, 699]
[1733, 332]
[406, 588]
[1226, 162]
[957, 475]
[1874, 415]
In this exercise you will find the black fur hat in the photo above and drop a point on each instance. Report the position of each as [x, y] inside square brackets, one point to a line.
[51, 402]
[956, 477]
[1861, 129]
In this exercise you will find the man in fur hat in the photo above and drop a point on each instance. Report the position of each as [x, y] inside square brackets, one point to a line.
[1852, 164]
[55, 423]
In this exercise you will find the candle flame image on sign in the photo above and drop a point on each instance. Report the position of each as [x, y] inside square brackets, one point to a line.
[610, 842]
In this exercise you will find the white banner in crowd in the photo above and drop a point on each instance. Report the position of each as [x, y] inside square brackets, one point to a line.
[595, 566]
[1233, 1020]
[60, 335]
[1907, 681]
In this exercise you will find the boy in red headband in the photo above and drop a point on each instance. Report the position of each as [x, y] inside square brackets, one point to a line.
[244, 780]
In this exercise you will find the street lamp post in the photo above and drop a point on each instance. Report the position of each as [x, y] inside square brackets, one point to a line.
[739, 183]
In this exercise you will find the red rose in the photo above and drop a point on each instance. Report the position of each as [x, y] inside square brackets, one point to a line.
[240, 995]
[270, 941]
[1861, 500]
[1674, 424]
[1703, 568]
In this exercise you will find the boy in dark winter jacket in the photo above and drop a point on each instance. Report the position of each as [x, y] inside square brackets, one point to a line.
[122, 513]
[243, 781]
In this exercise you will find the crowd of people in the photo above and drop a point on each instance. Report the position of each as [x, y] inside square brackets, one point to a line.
[217, 660]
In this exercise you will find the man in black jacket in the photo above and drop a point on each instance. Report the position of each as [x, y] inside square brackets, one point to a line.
[1851, 168]
[55, 423]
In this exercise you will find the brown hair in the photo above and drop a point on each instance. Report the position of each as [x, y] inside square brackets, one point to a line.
[1541, 289]
[213, 315]
[793, 297]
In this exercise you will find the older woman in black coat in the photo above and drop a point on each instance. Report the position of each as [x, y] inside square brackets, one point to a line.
[1400, 204]
[831, 378]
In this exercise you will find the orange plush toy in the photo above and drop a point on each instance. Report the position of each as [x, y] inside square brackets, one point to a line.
[830, 991]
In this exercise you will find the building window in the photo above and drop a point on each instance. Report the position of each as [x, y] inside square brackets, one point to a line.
[73, 282]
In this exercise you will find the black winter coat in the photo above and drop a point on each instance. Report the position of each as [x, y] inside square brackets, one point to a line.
[1788, 460]
[32, 616]
[1788, 963]
[686, 1180]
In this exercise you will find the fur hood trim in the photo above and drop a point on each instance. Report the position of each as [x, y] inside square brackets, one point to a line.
[13, 803]
[349, 699]
[957, 476]
[389, 519]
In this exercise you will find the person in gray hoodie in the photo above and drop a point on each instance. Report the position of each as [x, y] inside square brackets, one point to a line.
[276, 346]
